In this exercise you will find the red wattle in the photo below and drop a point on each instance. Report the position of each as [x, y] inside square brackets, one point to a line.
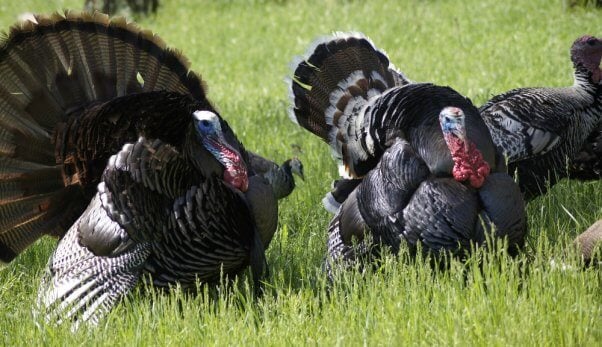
[237, 176]
[235, 171]
[468, 162]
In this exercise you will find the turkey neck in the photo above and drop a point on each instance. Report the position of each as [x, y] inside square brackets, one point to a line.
[584, 80]
[199, 156]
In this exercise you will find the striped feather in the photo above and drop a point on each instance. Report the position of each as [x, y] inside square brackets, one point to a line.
[540, 130]
[331, 85]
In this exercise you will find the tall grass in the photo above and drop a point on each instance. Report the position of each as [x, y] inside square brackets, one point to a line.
[242, 49]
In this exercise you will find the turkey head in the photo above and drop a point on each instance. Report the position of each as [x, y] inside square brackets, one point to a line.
[468, 160]
[208, 133]
[587, 52]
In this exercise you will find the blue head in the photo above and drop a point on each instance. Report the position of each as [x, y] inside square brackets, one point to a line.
[209, 130]
[452, 123]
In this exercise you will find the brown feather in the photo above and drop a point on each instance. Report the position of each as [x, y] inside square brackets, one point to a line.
[66, 81]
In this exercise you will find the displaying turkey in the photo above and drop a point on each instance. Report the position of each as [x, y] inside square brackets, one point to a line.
[279, 177]
[589, 244]
[542, 129]
[429, 170]
[111, 137]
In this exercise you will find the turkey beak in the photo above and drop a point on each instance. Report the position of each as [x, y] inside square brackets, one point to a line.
[460, 133]
[299, 172]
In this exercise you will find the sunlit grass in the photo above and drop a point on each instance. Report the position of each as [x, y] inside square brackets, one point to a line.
[243, 50]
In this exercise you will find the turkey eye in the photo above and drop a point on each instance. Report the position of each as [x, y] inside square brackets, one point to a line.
[205, 123]
[591, 41]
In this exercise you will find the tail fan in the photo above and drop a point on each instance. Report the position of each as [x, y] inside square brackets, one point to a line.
[330, 87]
[54, 70]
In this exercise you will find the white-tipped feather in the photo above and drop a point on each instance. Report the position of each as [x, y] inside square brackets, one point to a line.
[330, 203]
[350, 122]
[291, 96]
[82, 287]
[399, 77]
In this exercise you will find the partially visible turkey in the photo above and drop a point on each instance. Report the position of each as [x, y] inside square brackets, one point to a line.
[281, 178]
[179, 201]
[541, 130]
[589, 244]
[122, 7]
[429, 170]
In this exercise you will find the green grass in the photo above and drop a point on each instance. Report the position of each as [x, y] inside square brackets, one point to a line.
[243, 49]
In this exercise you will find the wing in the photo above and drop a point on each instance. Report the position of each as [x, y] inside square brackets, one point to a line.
[101, 257]
[589, 242]
[528, 122]
[264, 207]
[80, 286]
[386, 191]
[199, 226]
[372, 213]
[142, 180]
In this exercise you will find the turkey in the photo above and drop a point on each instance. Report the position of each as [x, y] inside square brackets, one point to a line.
[281, 177]
[423, 164]
[589, 244]
[112, 7]
[540, 128]
[111, 138]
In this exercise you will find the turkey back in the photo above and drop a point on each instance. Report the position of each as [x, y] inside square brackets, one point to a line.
[58, 72]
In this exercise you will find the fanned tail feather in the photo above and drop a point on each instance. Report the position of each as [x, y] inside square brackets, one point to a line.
[54, 69]
[332, 84]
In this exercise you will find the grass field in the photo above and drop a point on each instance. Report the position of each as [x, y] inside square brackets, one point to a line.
[242, 49]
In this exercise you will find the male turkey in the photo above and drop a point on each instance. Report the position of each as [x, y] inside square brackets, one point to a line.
[178, 199]
[540, 128]
[429, 170]
[589, 244]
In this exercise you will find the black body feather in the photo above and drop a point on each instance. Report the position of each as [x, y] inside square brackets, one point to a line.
[106, 125]
[397, 183]
[551, 133]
